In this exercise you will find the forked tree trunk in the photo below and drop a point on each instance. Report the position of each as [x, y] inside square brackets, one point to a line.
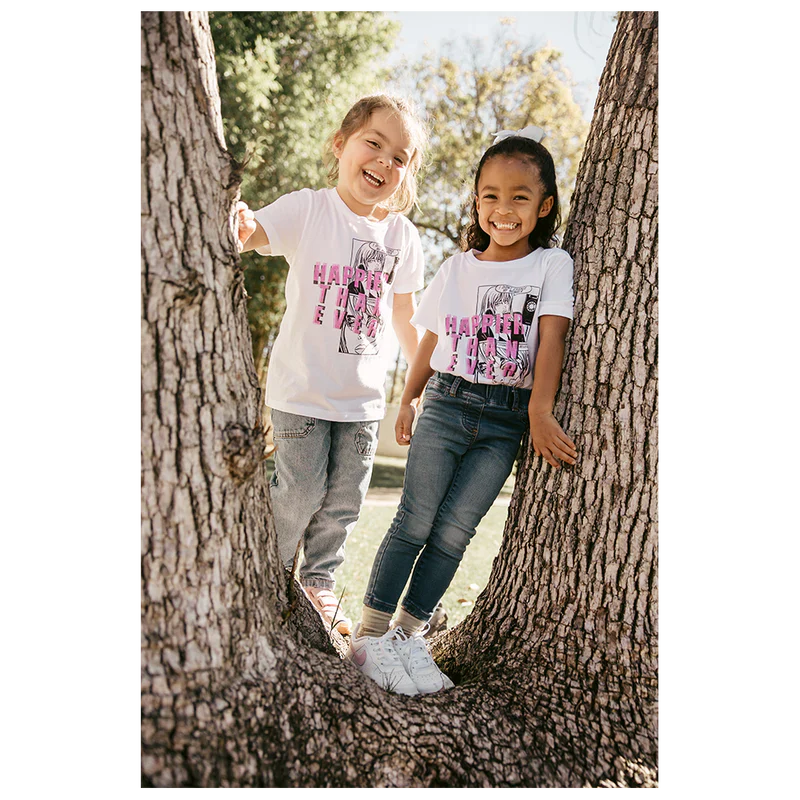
[556, 665]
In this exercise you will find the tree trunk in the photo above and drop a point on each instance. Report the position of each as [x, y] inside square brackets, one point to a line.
[572, 598]
[556, 666]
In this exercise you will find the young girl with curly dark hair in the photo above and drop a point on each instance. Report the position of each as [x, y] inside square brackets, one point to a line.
[496, 317]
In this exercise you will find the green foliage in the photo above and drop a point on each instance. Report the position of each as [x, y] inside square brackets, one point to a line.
[469, 98]
[286, 80]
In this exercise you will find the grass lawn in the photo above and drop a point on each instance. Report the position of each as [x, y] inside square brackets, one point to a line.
[377, 516]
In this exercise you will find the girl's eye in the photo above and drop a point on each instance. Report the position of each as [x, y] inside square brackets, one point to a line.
[399, 162]
[520, 197]
[488, 197]
[374, 144]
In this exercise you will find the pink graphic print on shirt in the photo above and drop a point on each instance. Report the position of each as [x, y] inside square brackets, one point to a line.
[354, 291]
[497, 336]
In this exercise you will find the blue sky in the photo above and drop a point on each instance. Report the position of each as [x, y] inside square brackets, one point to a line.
[583, 37]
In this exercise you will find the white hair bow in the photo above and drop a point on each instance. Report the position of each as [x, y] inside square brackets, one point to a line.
[531, 132]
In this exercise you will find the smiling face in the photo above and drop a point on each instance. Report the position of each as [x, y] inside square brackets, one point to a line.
[373, 162]
[510, 201]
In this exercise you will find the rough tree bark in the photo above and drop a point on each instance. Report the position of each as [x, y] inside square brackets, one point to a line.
[556, 665]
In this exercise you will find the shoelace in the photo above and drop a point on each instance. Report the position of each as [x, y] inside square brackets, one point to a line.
[419, 655]
[386, 648]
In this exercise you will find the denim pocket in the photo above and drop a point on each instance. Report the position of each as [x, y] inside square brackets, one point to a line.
[291, 426]
[367, 438]
[436, 389]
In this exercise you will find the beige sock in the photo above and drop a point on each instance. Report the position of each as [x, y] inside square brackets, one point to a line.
[409, 624]
[374, 623]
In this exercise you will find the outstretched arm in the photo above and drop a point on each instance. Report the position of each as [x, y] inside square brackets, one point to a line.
[418, 373]
[549, 440]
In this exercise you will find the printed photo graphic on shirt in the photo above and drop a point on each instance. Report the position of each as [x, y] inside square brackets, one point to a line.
[496, 349]
[363, 323]
[350, 295]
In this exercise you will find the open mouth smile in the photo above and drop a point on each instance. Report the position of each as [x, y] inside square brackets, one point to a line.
[372, 178]
[505, 226]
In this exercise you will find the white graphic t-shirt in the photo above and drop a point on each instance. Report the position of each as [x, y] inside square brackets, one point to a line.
[486, 313]
[329, 359]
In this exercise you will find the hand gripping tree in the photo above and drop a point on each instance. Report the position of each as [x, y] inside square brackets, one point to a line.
[556, 667]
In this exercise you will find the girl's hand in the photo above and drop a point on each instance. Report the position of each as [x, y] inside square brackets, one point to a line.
[405, 420]
[247, 223]
[549, 440]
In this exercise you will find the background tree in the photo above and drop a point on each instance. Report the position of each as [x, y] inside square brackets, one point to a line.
[508, 85]
[286, 79]
[556, 666]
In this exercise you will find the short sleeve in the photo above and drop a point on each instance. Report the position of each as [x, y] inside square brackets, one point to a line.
[557, 298]
[411, 275]
[284, 221]
[427, 313]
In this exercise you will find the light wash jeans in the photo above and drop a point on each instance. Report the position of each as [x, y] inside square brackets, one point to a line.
[461, 453]
[322, 472]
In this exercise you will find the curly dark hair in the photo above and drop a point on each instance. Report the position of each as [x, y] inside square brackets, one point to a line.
[543, 235]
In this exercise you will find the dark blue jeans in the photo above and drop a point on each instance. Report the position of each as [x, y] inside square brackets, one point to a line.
[461, 453]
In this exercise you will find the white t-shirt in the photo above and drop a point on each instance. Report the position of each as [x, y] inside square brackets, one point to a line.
[329, 360]
[486, 313]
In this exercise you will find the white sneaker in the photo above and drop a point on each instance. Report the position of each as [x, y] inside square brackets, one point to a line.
[377, 658]
[418, 662]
